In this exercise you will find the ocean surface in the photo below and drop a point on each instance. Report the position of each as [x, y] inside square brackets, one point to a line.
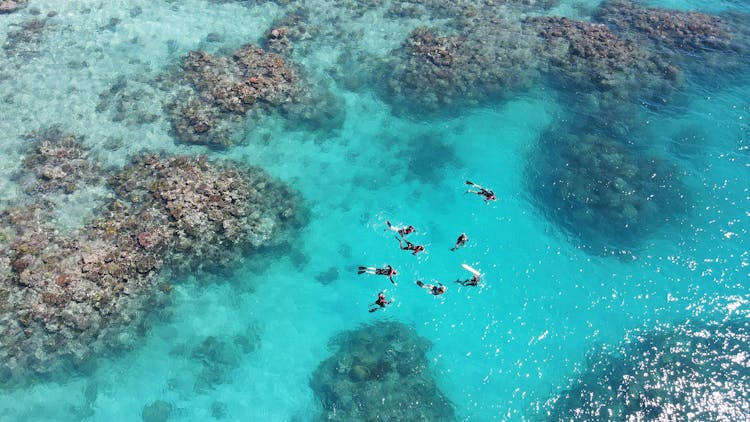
[567, 293]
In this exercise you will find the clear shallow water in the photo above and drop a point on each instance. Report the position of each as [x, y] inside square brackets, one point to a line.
[499, 352]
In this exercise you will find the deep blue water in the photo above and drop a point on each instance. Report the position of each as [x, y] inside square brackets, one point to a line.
[570, 288]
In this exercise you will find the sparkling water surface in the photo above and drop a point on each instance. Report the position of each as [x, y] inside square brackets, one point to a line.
[553, 313]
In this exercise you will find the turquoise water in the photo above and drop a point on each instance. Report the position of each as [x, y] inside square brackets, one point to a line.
[500, 351]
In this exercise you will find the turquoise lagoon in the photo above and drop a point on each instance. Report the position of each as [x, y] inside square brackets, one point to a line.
[502, 351]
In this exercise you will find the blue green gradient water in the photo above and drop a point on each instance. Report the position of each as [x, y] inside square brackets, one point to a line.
[499, 351]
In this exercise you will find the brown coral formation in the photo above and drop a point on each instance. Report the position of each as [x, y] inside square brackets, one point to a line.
[590, 55]
[380, 372]
[57, 161]
[492, 58]
[251, 77]
[68, 295]
[10, 6]
[689, 31]
[224, 89]
[434, 73]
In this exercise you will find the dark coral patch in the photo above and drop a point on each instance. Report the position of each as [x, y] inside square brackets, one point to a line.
[605, 193]
[380, 372]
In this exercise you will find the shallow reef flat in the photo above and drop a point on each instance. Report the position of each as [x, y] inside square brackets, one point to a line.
[68, 295]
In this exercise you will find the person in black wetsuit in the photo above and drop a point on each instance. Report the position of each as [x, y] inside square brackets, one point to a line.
[461, 241]
[409, 246]
[434, 289]
[403, 231]
[474, 281]
[486, 193]
[380, 303]
[387, 270]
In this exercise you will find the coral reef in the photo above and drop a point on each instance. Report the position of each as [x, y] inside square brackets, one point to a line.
[689, 31]
[10, 6]
[434, 74]
[208, 210]
[57, 161]
[218, 91]
[380, 372]
[591, 56]
[488, 58]
[695, 371]
[462, 9]
[68, 295]
[601, 190]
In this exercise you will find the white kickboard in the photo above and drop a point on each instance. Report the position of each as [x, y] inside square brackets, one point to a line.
[471, 269]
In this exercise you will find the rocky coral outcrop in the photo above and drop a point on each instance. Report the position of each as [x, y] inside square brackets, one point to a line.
[65, 296]
[432, 73]
[209, 210]
[10, 6]
[689, 31]
[590, 55]
[57, 161]
[220, 90]
[694, 370]
[380, 372]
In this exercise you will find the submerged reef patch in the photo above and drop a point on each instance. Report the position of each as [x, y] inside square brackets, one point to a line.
[693, 371]
[603, 191]
[380, 372]
[436, 74]
[125, 101]
[66, 296]
[584, 56]
[216, 92]
[484, 58]
[216, 356]
[715, 48]
[688, 31]
[57, 161]
[26, 40]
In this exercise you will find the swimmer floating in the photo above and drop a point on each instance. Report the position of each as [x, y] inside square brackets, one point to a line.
[387, 270]
[460, 242]
[434, 289]
[402, 230]
[486, 193]
[380, 303]
[409, 246]
[473, 281]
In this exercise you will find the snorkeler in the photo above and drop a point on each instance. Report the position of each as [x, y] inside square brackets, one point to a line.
[474, 280]
[461, 241]
[380, 303]
[410, 246]
[403, 231]
[486, 193]
[433, 289]
[387, 270]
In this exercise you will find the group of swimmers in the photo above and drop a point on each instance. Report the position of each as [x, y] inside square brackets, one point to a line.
[434, 289]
